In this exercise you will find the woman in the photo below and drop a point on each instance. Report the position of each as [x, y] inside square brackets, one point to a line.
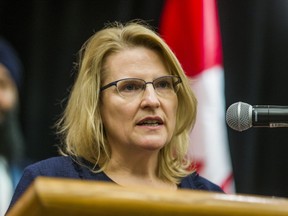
[125, 121]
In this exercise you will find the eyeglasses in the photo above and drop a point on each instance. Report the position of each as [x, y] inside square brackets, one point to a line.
[131, 87]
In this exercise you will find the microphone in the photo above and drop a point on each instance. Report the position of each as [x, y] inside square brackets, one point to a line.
[242, 116]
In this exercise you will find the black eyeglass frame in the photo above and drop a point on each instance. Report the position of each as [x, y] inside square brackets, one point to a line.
[152, 82]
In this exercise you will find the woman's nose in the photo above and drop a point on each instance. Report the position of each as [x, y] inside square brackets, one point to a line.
[150, 97]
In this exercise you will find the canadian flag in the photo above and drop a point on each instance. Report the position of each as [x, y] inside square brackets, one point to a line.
[191, 29]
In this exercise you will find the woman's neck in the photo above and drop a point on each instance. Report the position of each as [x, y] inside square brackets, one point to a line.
[144, 166]
[136, 170]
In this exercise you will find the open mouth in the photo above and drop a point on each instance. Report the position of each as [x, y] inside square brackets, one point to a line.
[150, 122]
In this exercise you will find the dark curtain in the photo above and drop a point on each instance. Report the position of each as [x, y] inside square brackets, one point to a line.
[254, 35]
[48, 35]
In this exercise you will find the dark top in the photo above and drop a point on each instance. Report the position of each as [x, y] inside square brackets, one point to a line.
[66, 167]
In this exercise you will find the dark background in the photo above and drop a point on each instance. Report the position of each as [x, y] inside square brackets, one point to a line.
[48, 35]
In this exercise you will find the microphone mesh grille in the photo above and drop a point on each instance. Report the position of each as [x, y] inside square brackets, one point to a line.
[238, 116]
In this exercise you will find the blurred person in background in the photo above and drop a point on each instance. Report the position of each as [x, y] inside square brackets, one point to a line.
[11, 138]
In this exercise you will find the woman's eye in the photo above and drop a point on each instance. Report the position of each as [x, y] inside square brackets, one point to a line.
[164, 84]
[130, 86]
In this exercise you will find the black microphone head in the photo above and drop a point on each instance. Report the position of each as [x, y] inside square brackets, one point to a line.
[239, 116]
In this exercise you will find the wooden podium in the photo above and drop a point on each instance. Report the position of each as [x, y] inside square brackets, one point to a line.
[55, 196]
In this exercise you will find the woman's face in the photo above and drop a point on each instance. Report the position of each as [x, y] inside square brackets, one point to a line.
[144, 122]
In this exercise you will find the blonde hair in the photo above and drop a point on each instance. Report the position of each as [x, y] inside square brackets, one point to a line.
[81, 126]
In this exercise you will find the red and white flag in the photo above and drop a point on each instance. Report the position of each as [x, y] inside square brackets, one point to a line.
[191, 29]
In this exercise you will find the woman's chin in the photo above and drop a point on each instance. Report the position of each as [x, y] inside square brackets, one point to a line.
[152, 145]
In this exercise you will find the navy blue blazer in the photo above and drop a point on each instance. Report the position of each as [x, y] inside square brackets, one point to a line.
[66, 167]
